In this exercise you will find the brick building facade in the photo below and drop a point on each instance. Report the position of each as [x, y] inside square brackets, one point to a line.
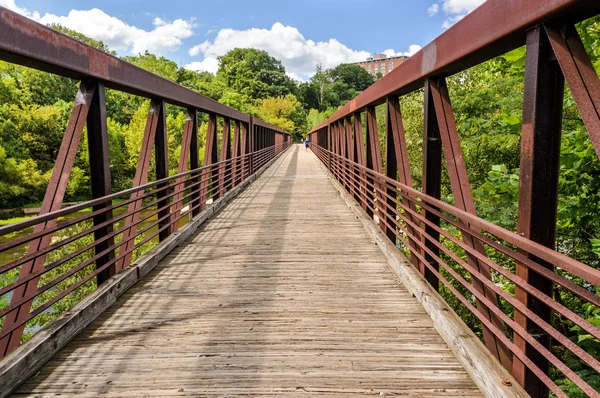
[381, 63]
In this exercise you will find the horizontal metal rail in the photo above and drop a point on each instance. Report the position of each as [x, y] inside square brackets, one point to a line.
[492, 29]
[72, 270]
[31, 44]
[372, 191]
[55, 258]
[450, 245]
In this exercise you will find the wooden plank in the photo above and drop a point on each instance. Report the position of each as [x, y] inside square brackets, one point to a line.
[266, 299]
[29, 358]
[484, 368]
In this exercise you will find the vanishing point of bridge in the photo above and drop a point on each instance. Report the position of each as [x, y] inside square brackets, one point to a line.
[264, 269]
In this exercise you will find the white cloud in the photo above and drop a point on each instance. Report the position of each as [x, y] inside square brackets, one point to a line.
[433, 9]
[207, 65]
[452, 20]
[298, 55]
[294, 76]
[165, 37]
[461, 6]
[412, 49]
[118, 35]
[196, 50]
[11, 5]
[455, 10]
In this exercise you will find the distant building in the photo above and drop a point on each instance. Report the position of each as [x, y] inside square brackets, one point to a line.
[380, 62]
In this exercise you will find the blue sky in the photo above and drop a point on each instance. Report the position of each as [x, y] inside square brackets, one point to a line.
[300, 33]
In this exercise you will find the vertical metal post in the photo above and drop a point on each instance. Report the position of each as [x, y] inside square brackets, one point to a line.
[396, 130]
[210, 157]
[186, 143]
[236, 153]
[373, 161]
[463, 198]
[343, 148]
[338, 150]
[360, 157]
[333, 149]
[141, 176]
[432, 180]
[351, 175]
[225, 168]
[391, 171]
[161, 157]
[250, 149]
[538, 194]
[97, 133]
[245, 150]
[195, 161]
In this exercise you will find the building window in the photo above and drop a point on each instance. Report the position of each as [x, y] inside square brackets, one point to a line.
[382, 66]
[391, 65]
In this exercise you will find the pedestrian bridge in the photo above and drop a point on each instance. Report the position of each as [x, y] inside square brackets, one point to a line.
[270, 269]
[260, 301]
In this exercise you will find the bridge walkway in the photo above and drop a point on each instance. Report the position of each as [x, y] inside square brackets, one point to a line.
[280, 294]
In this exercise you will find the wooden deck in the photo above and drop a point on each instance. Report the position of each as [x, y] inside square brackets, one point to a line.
[281, 294]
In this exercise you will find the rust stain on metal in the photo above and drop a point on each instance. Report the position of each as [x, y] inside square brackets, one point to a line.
[100, 62]
[429, 58]
[33, 29]
[352, 105]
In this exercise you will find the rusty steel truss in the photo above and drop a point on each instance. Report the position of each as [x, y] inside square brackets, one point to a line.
[526, 343]
[149, 210]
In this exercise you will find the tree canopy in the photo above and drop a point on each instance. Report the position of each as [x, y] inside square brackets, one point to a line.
[254, 73]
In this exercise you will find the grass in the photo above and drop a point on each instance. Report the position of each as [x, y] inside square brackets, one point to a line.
[13, 220]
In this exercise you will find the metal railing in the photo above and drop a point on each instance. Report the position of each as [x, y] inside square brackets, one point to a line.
[509, 282]
[63, 255]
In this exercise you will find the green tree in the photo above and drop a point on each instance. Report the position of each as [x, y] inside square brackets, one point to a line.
[331, 88]
[351, 80]
[286, 113]
[254, 73]
[314, 117]
[158, 65]
[322, 83]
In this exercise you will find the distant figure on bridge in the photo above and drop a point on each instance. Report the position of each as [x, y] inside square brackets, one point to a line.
[306, 143]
